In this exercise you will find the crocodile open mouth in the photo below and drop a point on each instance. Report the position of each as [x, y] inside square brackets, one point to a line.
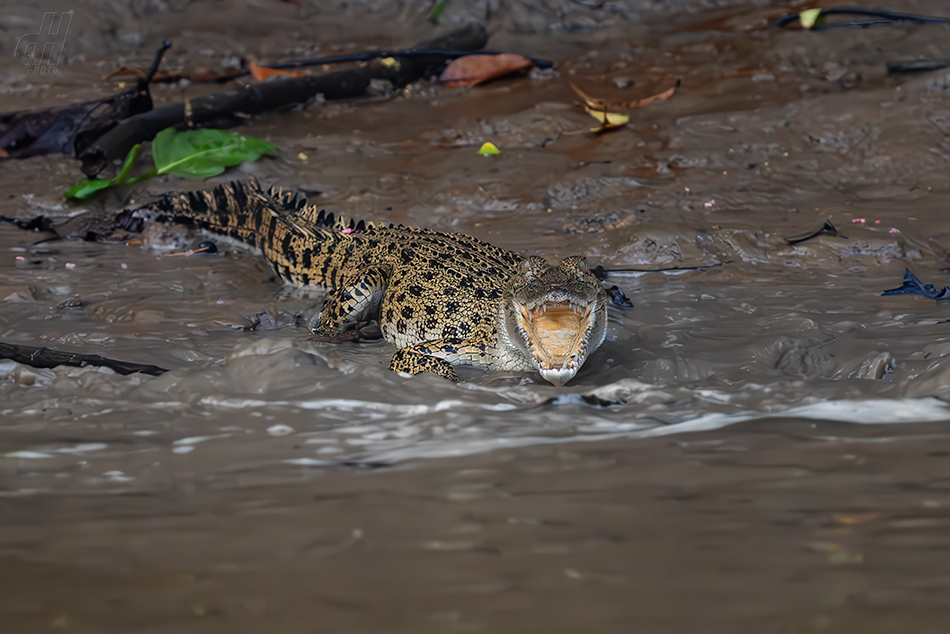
[556, 333]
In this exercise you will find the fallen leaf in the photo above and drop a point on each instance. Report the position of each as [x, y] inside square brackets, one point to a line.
[663, 96]
[197, 153]
[595, 104]
[124, 71]
[475, 69]
[602, 104]
[86, 188]
[204, 152]
[608, 120]
[488, 148]
[436, 11]
[809, 17]
[261, 73]
[609, 113]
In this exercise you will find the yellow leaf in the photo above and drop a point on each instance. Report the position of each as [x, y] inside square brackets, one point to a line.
[608, 118]
[488, 149]
[809, 18]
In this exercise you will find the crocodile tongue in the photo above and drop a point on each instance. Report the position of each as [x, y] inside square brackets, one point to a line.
[555, 335]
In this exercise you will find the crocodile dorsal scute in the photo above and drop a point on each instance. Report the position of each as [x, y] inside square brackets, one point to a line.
[443, 299]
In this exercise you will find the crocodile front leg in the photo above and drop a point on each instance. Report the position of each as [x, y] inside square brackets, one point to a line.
[352, 304]
[439, 356]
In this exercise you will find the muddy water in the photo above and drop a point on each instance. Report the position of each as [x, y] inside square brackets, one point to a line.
[760, 445]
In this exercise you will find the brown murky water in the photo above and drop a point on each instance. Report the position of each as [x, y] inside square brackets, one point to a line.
[760, 446]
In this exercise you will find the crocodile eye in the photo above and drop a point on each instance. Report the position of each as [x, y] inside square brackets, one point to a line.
[575, 264]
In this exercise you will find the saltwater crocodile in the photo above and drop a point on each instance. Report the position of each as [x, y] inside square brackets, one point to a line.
[443, 299]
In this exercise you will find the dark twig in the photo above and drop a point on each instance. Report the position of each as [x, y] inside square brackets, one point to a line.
[879, 18]
[602, 274]
[46, 358]
[916, 66]
[371, 55]
[827, 229]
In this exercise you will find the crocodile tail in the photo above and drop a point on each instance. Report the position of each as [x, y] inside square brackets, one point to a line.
[292, 235]
[240, 210]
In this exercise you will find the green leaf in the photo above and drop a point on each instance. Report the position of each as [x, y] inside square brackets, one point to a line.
[488, 148]
[190, 154]
[86, 188]
[127, 165]
[151, 173]
[436, 11]
[204, 152]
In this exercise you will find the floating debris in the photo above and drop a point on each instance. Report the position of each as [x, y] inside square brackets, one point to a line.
[913, 286]
[827, 229]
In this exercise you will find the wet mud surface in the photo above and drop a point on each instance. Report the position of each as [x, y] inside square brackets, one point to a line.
[761, 444]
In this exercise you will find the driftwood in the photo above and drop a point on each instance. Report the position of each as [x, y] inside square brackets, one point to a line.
[46, 358]
[221, 108]
[71, 129]
[252, 99]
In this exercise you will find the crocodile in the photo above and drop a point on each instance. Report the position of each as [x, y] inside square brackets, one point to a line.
[442, 299]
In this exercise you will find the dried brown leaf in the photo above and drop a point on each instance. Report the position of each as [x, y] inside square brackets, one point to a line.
[592, 103]
[261, 73]
[603, 105]
[125, 71]
[475, 69]
[663, 96]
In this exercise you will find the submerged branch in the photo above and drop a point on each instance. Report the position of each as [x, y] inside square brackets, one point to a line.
[47, 358]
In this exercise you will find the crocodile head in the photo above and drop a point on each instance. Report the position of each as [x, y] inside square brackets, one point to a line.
[556, 315]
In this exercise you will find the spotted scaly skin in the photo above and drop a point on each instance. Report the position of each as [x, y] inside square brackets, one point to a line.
[443, 299]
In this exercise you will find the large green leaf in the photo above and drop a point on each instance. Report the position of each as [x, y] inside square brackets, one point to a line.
[204, 152]
[190, 154]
